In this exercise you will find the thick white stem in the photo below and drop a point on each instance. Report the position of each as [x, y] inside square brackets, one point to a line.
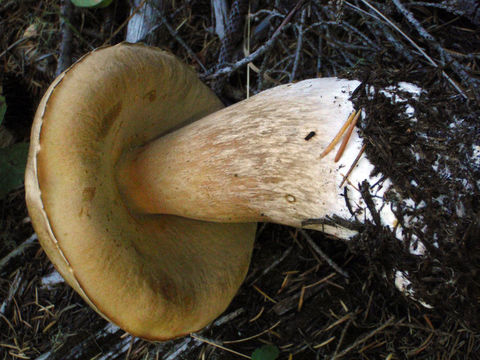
[258, 160]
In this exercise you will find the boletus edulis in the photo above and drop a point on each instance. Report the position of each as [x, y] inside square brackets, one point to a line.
[145, 192]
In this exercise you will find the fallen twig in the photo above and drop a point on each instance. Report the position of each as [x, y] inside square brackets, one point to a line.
[253, 336]
[143, 18]
[16, 43]
[298, 49]
[413, 43]
[175, 35]
[18, 250]
[345, 178]
[459, 69]
[125, 23]
[11, 291]
[216, 344]
[220, 10]
[65, 57]
[273, 265]
[261, 50]
[324, 256]
[364, 338]
[342, 336]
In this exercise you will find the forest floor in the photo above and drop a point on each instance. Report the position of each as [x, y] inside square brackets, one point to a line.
[292, 298]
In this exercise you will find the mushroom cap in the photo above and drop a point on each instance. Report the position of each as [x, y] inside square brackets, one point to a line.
[155, 276]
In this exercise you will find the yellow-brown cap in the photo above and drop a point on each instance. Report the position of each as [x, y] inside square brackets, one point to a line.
[156, 276]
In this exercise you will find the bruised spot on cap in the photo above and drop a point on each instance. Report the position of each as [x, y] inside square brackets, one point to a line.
[109, 119]
[88, 194]
[151, 95]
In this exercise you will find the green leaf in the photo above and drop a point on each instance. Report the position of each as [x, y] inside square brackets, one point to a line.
[92, 3]
[13, 160]
[3, 108]
[266, 352]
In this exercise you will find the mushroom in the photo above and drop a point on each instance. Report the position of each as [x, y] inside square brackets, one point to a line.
[150, 213]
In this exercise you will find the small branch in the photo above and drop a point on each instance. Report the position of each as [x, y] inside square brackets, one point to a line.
[291, 303]
[180, 349]
[253, 336]
[273, 265]
[143, 18]
[231, 68]
[398, 45]
[65, 57]
[261, 50]
[413, 43]
[411, 19]
[186, 347]
[110, 334]
[228, 317]
[18, 250]
[342, 337]
[233, 30]
[355, 162]
[468, 8]
[217, 345]
[367, 197]
[362, 339]
[324, 256]
[16, 43]
[220, 11]
[125, 23]
[11, 291]
[299, 46]
[459, 69]
[142, 21]
[175, 35]
[320, 52]
[233, 35]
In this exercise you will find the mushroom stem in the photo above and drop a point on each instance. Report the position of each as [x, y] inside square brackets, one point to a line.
[254, 161]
